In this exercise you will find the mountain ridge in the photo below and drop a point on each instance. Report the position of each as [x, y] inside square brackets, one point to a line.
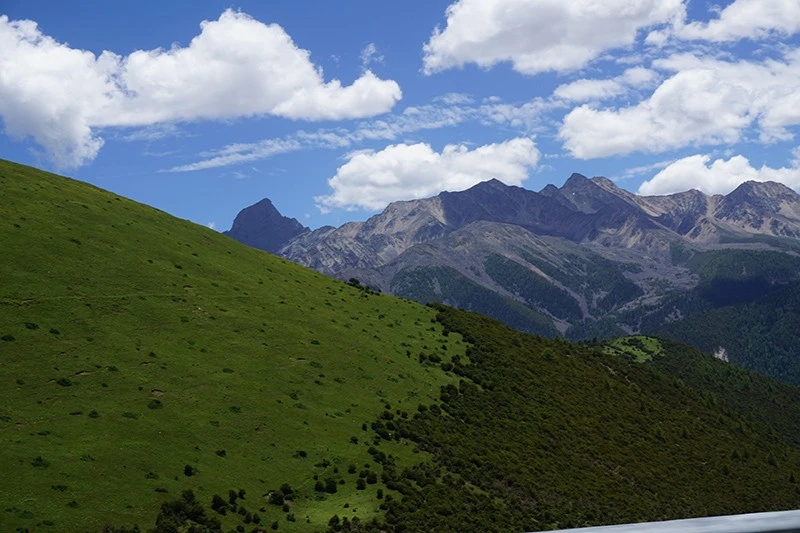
[629, 263]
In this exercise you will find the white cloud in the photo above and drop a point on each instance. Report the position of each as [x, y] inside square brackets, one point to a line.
[370, 55]
[371, 180]
[212, 225]
[236, 67]
[541, 35]
[585, 90]
[753, 19]
[450, 110]
[241, 153]
[49, 91]
[705, 101]
[717, 177]
[642, 170]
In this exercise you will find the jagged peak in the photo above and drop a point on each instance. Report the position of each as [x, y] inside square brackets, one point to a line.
[576, 179]
[549, 190]
[493, 183]
[762, 188]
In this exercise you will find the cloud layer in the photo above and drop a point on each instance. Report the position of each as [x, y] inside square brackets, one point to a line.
[542, 35]
[371, 180]
[235, 67]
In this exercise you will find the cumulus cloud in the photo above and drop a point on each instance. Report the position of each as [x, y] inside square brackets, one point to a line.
[371, 180]
[752, 19]
[718, 177]
[585, 90]
[50, 92]
[704, 101]
[236, 67]
[541, 35]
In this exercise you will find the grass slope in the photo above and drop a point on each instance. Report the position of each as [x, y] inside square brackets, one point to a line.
[135, 344]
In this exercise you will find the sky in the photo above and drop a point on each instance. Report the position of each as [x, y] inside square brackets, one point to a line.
[334, 109]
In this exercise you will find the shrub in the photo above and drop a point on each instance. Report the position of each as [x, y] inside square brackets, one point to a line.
[330, 486]
[218, 504]
[155, 404]
[40, 462]
[8, 338]
[221, 453]
[31, 325]
[64, 382]
[94, 414]
[188, 471]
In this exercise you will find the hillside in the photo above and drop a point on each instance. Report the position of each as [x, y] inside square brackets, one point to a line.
[135, 344]
[762, 335]
[584, 260]
[144, 356]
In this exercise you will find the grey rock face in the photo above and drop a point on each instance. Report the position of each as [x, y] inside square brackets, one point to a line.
[609, 250]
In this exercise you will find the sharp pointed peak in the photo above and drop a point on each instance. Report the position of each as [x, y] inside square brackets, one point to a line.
[576, 177]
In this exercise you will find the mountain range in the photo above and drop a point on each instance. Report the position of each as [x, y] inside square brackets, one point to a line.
[584, 260]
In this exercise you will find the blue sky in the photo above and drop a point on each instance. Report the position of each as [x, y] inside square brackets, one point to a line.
[334, 109]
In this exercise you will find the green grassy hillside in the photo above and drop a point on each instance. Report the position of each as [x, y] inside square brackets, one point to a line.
[135, 344]
[145, 356]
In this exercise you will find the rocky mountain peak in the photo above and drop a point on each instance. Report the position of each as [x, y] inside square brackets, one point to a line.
[262, 226]
[763, 189]
[763, 207]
